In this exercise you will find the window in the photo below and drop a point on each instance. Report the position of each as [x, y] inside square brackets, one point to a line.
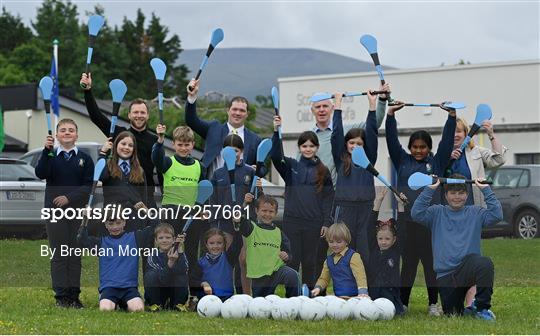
[527, 158]
[507, 177]
[524, 180]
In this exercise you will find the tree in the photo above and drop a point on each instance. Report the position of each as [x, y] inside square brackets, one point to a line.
[13, 32]
[58, 20]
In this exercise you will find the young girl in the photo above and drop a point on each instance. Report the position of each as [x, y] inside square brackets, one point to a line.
[123, 177]
[344, 266]
[415, 238]
[355, 188]
[216, 266]
[165, 279]
[243, 177]
[308, 200]
[384, 279]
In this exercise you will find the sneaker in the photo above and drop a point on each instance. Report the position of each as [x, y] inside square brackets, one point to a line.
[486, 315]
[434, 310]
[154, 308]
[470, 310]
[63, 303]
[77, 304]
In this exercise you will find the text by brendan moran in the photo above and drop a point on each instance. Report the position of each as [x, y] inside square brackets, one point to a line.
[122, 251]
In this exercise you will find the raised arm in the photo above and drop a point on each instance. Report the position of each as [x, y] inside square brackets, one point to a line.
[493, 213]
[446, 145]
[87, 241]
[283, 168]
[392, 141]
[372, 142]
[328, 197]
[421, 211]
[198, 125]
[162, 162]
[43, 169]
[338, 137]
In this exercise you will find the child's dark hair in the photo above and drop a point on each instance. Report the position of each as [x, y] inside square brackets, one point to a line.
[346, 156]
[389, 225]
[233, 140]
[214, 232]
[266, 199]
[455, 186]
[420, 135]
[321, 168]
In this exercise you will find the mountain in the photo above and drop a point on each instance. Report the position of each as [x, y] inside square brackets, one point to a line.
[253, 71]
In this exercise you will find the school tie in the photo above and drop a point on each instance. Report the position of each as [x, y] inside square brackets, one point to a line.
[68, 155]
[125, 168]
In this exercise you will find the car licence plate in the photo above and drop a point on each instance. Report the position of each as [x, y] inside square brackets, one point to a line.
[21, 195]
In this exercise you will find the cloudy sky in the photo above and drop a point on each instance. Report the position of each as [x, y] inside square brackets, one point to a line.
[411, 34]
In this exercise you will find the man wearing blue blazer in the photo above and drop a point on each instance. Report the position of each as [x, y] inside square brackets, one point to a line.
[214, 132]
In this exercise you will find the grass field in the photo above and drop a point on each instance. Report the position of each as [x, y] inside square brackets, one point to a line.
[27, 304]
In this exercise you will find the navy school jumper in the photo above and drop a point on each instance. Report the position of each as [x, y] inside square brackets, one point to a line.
[353, 201]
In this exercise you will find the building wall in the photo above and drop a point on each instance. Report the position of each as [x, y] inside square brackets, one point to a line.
[511, 89]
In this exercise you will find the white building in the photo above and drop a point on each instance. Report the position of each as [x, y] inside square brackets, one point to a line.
[511, 89]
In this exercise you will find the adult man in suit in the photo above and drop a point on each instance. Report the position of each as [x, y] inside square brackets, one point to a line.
[214, 132]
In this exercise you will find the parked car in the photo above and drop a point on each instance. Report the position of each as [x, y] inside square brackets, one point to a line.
[22, 196]
[518, 189]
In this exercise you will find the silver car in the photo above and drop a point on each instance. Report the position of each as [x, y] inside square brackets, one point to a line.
[21, 197]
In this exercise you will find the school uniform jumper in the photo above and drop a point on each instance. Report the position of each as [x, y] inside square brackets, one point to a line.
[69, 174]
[383, 276]
[355, 192]
[306, 210]
[413, 239]
[163, 285]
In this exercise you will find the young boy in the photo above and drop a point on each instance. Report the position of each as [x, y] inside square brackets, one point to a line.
[181, 175]
[267, 251]
[119, 253]
[165, 279]
[68, 172]
[455, 234]
[344, 266]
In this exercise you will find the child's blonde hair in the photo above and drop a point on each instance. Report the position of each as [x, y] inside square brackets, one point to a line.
[183, 134]
[462, 124]
[163, 228]
[338, 231]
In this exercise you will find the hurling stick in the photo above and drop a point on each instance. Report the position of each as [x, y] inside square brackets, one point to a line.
[262, 153]
[95, 22]
[98, 170]
[204, 191]
[45, 86]
[229, 156]
[483, 112]
[275, 101]
[360, 158]
[118, 91]
[217, 37]
[324, 96]
[419, 180]
[451, 105]
[370, 44]
[160, 69]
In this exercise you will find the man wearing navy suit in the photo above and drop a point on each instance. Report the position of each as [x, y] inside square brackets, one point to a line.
[214, 133]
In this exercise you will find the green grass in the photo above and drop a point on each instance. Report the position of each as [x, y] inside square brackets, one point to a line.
[27, 304]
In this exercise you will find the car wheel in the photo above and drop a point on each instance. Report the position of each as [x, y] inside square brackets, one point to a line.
[526, 224]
